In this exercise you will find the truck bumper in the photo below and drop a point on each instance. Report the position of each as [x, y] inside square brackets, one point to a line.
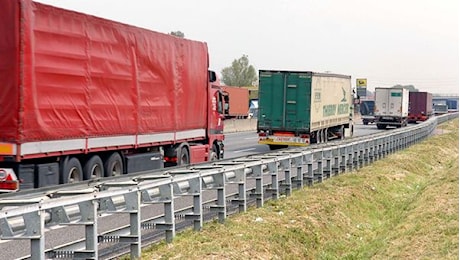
[282, 140]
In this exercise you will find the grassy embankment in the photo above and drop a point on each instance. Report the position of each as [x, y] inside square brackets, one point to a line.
[403, 207]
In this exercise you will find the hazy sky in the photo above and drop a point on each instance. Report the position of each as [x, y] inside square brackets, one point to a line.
[388, 42]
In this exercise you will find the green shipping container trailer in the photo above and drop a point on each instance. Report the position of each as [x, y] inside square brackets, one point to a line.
[301, 107]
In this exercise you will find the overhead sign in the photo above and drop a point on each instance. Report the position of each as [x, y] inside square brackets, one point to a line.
[361, 82]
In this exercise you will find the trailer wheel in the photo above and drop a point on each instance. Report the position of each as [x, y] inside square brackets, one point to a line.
[113, 165]
[93, 168]
[184, 157]
[71, 170]
[213, 155]
[381, 126]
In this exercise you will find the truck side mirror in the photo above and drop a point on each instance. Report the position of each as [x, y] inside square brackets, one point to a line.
[212, 76]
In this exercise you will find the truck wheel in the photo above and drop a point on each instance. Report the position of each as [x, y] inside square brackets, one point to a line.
[71, 170]
[213, 156]
[113, 166]
[93, 168]
[381, 126]
[365, 122]
[184, 157]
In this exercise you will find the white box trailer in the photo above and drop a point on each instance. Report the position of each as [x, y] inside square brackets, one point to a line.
[391, 107]
[299, 108]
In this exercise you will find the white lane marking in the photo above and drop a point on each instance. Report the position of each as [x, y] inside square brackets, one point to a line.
[244, 150]
[249, 138]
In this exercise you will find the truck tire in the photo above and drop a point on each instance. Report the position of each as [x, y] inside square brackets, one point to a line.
[184, 157]
[213, 154]
[365, 122]
[71, 170]
[94, 168]
[381, 126]
[113, 165]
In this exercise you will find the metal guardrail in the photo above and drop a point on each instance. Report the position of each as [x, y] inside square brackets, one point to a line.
[254, 179]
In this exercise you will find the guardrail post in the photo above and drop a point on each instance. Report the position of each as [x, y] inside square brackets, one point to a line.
[309, 176]
[367, 148]
[350, 157]
[335, 154]
[287, 183]
[394, 143]
[221, 206]
[240, 179]
[384, 147]
[273, 171]
[259, 194]
[360, 163]
[299, 177]
[34, 224]
[343, 160]
[371, 151]
[318, 157]
[88, 210]
[327, 153]
[133, 206]
[169, 224]
[196, 188]
[355, 156]
[35, 227]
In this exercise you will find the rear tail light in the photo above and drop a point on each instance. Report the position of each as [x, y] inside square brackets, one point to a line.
[8, 181]
[170, 159]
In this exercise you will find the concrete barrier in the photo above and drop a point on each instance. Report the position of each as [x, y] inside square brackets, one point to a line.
[240, 125]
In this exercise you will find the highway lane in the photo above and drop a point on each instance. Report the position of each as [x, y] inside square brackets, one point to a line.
[236, 145]
[245, 143]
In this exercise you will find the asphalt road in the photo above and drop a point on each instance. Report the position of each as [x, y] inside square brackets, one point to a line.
[245, 143]
[236, 145]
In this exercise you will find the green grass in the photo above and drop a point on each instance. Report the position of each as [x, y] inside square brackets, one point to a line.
[403, 207]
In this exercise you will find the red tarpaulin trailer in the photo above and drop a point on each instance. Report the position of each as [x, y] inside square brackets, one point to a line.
[74, 85]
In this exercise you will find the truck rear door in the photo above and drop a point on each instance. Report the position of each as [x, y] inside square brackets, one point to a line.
[395, 102]
[284, 100]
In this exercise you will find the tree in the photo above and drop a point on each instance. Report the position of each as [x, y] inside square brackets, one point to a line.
[178, 34]
[240, 73]
[411, 88]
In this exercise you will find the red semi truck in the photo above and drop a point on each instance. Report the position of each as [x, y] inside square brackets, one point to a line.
[84, 97]
[237, 99]
[420, 106]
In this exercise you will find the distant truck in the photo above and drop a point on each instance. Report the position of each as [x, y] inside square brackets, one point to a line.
[237, 99]
[420, 106]
[299, 108]
[440, 109]
[366, 109]
[84, 98]
[391, 107]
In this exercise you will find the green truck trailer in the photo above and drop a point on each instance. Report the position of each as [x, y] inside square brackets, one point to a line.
[298, 108]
